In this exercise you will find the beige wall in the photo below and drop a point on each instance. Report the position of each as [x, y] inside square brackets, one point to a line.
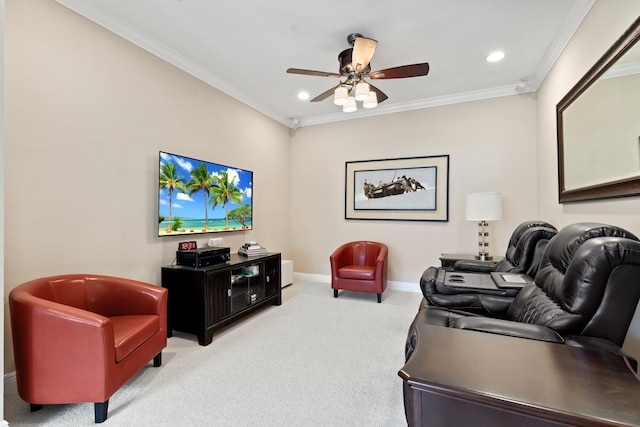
[86, 114]
[605, 23]
[489, 143]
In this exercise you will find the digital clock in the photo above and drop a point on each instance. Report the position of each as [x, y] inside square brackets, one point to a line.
[186, 246]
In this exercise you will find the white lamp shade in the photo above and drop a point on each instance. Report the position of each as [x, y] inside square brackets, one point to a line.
[340, 95]
[483, 207]
[350, 106]
[372, 102]
[362, 91]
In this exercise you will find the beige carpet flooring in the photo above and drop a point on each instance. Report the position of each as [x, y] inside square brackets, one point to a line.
[313, 361]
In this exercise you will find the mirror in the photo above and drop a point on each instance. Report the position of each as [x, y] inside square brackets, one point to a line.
[599, 127]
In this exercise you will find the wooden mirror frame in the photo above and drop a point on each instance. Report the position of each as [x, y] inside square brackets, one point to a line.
[605, 190]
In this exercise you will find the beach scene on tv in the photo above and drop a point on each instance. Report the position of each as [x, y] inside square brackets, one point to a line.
[202, 197]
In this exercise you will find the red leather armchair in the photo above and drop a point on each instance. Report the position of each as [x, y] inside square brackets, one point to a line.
[359, 266]
[79, 338]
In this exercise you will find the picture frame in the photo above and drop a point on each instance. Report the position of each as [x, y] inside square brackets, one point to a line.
[402, 189]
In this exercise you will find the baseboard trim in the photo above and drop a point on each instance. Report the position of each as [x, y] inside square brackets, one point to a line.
[404, 287]
[323, 278]
[10, 384]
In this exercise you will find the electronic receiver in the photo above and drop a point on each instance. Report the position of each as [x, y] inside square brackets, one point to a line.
[203, 257]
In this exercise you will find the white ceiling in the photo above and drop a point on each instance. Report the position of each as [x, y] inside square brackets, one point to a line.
[243, 48]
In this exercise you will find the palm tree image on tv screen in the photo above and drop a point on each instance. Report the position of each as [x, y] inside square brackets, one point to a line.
[202, 197]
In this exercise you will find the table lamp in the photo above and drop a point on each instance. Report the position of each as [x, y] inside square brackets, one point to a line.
[483, 207]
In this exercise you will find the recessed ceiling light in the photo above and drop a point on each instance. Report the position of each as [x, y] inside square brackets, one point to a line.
[495, 56]
[303, 96]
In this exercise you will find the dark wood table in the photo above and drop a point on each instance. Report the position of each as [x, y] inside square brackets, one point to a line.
[466, 378]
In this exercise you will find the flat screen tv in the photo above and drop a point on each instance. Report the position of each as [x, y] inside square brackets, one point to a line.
[202, 197]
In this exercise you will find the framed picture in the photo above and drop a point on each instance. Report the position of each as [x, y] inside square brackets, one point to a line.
[405, 189]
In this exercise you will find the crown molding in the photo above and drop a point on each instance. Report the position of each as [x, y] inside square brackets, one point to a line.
[456, 98]
[562, 39]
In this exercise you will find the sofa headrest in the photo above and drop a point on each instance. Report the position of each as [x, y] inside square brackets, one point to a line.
[530, 248]
[520, 231]
[362, 252]
[562, 247]
[522, 228]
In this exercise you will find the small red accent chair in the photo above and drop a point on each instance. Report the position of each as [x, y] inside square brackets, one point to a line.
[79, 338]
[359, 266]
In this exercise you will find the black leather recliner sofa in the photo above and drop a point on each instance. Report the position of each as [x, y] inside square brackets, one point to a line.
[525, 248]
[585, 293]
[524, 252]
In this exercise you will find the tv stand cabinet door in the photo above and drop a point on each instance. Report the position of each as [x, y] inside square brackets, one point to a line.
[272, 267]
[186, 308]
[218, 304]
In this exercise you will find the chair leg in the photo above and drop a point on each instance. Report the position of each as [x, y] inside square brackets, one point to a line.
[335, 293]
[35, 407]
[157, 361]
[100, 409]
[379, 298]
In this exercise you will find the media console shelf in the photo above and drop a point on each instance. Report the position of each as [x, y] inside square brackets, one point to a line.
[203, 300]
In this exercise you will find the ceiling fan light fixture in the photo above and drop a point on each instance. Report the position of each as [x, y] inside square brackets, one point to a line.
[340, 96]
[355, 66]
[350, 106]
[372, 100]
[362, 91]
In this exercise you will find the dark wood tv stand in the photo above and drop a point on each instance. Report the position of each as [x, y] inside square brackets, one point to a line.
[203, 300]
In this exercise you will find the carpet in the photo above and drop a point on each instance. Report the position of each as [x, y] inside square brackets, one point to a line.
[313, 361]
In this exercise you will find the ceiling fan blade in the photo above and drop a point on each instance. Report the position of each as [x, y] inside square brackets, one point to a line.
[312, 73]
[363, 50]
[380, 94]
[414, 70]
[324, 95]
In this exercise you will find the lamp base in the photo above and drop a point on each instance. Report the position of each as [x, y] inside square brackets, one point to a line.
[483, 244]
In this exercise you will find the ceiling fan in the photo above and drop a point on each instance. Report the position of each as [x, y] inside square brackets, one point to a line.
[355, 66]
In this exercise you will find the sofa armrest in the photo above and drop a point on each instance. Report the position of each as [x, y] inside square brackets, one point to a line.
[44, 320]
[474, 266]
[49, 337]
[382, 255]
[509, 328]
[496, 305]
[115, 296]
[381, 264]
[340, 257]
